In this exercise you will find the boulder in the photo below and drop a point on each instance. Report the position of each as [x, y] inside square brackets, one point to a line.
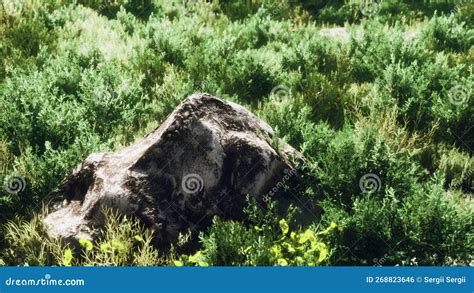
[205, 158]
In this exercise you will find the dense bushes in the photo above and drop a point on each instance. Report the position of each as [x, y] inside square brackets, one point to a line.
[392, 98]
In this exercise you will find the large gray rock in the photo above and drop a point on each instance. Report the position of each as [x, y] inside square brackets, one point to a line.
[202, 161]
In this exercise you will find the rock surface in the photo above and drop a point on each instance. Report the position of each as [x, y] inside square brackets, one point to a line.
[202, 161]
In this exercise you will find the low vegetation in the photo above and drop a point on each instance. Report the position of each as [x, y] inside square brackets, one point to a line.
[380, 104]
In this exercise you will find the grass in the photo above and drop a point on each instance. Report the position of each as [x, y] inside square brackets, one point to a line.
[394, 99]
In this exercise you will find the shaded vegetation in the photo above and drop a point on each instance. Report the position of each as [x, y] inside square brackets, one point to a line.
[391, 97]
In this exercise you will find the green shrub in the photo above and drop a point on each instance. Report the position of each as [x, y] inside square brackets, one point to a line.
[28, 246]
[437, 226]
[231, 243]
[393, 100]
[448, 33]
[429, 227]
[123, 242]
